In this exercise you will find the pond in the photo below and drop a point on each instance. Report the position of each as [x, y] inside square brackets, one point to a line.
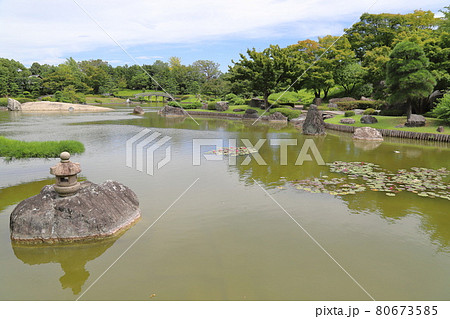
[232, 235]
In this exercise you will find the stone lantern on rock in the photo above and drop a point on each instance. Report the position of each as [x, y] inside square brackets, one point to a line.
[66, 176]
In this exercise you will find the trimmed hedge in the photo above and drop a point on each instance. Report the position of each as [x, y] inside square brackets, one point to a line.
[349, 113]
[351, 105]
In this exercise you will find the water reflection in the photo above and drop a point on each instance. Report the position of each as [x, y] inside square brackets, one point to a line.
[14, 194]
[72, 258]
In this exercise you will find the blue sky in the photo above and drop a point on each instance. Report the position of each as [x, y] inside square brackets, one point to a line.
[50, 31]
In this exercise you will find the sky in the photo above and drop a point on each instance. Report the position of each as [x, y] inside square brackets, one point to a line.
[50, 31]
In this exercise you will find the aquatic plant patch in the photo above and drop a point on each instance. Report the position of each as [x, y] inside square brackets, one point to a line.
[232, 151]
[363, 176]
[13, 149]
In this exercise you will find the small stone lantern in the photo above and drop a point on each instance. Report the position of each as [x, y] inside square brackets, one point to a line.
[66, 176]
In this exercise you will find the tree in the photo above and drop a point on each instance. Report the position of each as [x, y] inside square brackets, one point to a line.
[349, 76]
[407, 76]
[377, 30]
[209, 69]
[442, 110]
[96, 74]
[265, 72]
[323, 58]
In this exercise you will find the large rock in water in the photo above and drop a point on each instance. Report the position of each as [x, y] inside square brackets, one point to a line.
[96, 211]
[415, 121]
[314, 124]
[172, 111]
[367, 133]
[14, 105]
[138, 110]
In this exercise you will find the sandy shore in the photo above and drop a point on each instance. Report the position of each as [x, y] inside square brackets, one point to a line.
[61, 107]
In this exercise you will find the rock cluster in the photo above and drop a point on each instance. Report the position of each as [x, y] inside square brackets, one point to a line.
[277, 117]
[250, 114]
[368, 119]
[221, 106]
[96, 211]
[347, 121]
[415, 121]
[314, 124]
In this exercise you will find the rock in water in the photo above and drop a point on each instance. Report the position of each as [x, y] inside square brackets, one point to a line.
[368, 119]
[314, 124]
[138, 110]
[172, 111]
[277, 117]
[14, 105]
[367, 133]
[415, 121]
[96, 211]
[221, 106]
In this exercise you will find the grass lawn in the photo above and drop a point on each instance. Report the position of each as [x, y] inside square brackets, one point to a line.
[90, 99]
[12, 149]
[231, 108]
[130, 93]
[389, 122]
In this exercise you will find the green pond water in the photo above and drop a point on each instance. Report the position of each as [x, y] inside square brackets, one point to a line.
[226, 239]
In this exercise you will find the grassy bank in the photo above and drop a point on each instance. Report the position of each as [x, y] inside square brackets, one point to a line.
[13, 149]
[389, 122]
[230, 109]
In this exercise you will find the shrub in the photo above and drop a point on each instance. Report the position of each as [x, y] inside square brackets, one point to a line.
[24, 100]
[193, 105]
[3, 101]
[365, 89]
[233, 99]
[173, 103]
[429, 114]
[349, 113]
[289, 113]
[442, 109]
[370, 111]
[98, 101]
[212, 106]
[47, 98]
[184, 97]
[351, 105]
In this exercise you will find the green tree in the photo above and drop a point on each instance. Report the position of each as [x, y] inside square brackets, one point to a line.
[442, 109]
[264, 72]
[407, 76]
[349, 76]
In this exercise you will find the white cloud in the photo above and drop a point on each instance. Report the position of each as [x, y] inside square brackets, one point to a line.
[52, 30]
[144, 57]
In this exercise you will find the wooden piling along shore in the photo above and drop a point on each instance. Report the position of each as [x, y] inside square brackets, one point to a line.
[395, 133]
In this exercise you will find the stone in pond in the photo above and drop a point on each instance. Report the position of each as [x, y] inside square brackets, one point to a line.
[95, 211]
[314, 124]
[415, 121]
[367, 133]
[172, 111]
[14, 105]
[138, 110]
[368, 119]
